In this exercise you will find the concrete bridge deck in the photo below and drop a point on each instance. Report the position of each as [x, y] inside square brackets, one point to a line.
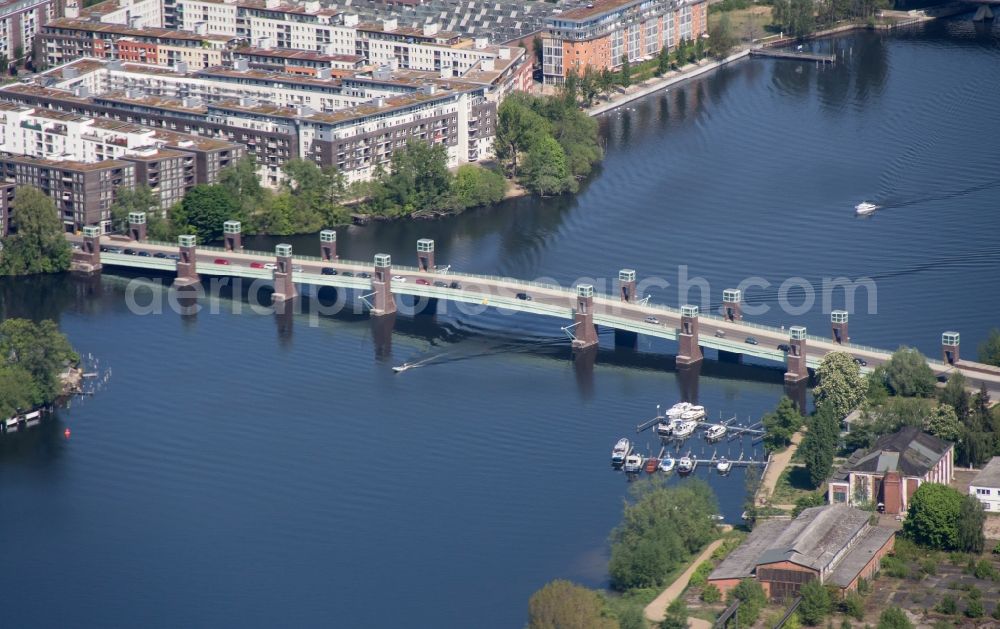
[579, 314]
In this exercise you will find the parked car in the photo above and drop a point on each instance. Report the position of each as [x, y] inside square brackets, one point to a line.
[751, 340]
[222, 261]
[328, 271]
[256, 265]
[785, 347]
[523, 296]
[423, 282]
[652, 319]
[398, 278]
[861, 361]
[441, 284]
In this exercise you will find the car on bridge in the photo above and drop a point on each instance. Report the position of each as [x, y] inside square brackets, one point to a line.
[328, 271]
[523, 296]
[441, 284]
[270, 266]
[160, 254]
[751, 340]
[144, 254]
[861, 362]
[398, 278]
[652, 319]
[785, 347]
[456, 285]
[423, 282]
[256, 265]
[130, 252]
[363, 275]
[222, 261]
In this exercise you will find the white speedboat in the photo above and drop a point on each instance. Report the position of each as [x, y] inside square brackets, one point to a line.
[694, 413]
[402, 368]
[633, 463]
[715, 432]
[865, 207]
[667, 464]
[685, 429]
[724, 465]
[685, 465]
[620, 451]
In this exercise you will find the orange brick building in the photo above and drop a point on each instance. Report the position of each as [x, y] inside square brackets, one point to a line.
[601, 33]
[834, 544]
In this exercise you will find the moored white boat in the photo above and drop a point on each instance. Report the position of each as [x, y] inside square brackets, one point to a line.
[633, 463]
[724, 465]
[675, 411]
[715, 432]
[620, 451]
[685, 429]
[665, 429]
[693, 413]
[865, 207]
[667, 464]
[685, 465]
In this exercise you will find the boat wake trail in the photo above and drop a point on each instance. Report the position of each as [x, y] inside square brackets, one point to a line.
[944, 196]
[544, 346]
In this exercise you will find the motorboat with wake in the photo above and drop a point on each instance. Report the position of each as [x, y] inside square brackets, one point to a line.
[865, 207]
[620, 451]
[402, 368]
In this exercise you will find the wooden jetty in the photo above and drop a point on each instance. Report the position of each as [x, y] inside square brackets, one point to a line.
[799, 55]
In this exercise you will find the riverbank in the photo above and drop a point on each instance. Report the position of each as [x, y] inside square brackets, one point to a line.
[673, 77]
[775, 469]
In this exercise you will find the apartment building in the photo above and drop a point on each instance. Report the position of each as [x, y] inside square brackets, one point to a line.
[602, 33]
[81, 162]
[67, 39]
[20, 21]
[266, 57]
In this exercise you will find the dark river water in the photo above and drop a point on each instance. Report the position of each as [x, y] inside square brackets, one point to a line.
[253, 470]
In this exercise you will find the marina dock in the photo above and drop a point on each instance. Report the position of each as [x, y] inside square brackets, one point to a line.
[799, 55]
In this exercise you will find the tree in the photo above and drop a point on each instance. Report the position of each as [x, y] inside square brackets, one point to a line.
[956, 395]
[561, 604]
[752, 599]
[474, 185]
[780, 425]
[721, 36]
[909, 375]
[815, 499]
[989, 350]
[971, 518]
[932, 516]
[242, 182]
[894, 618]
[570, 88]
[607, 81]
[34, 355]
[38, 246]
[536, 48]
[659, 530]
[676, 616]
[203, 211]
[418, 180]
[17, 391]
[590, 85]
[545, 169]
[711, 594]
[943, 424]
[626, 72]
[138, 199]
[4, 64]
[841, 386]
[816, 604]
[663, 61]
[819, 445]
[518, 129]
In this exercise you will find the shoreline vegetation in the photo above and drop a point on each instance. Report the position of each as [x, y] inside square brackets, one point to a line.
[39, 366]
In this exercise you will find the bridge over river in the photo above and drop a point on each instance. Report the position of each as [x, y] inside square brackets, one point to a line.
[579, 309]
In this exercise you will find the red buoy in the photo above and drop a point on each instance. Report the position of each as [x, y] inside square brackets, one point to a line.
[66, 433]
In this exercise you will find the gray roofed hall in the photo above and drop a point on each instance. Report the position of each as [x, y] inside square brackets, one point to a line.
[990, 475]
[859, 555]
[740, 563]
[909, 451]
[816, 537]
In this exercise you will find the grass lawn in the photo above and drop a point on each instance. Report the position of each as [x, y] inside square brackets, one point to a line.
[746, 23]
[792, 484]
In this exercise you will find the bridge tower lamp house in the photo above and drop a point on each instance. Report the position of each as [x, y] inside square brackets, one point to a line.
[690, 350]
[137, 226]
[732, 304]
[626, 285]
[796, 358]
[232, 231]
[328, 244]
[382, 286]
[949, 347]
[284, 286]
[425, 254]
[585, 335]
[187, 268]
[838, 322]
